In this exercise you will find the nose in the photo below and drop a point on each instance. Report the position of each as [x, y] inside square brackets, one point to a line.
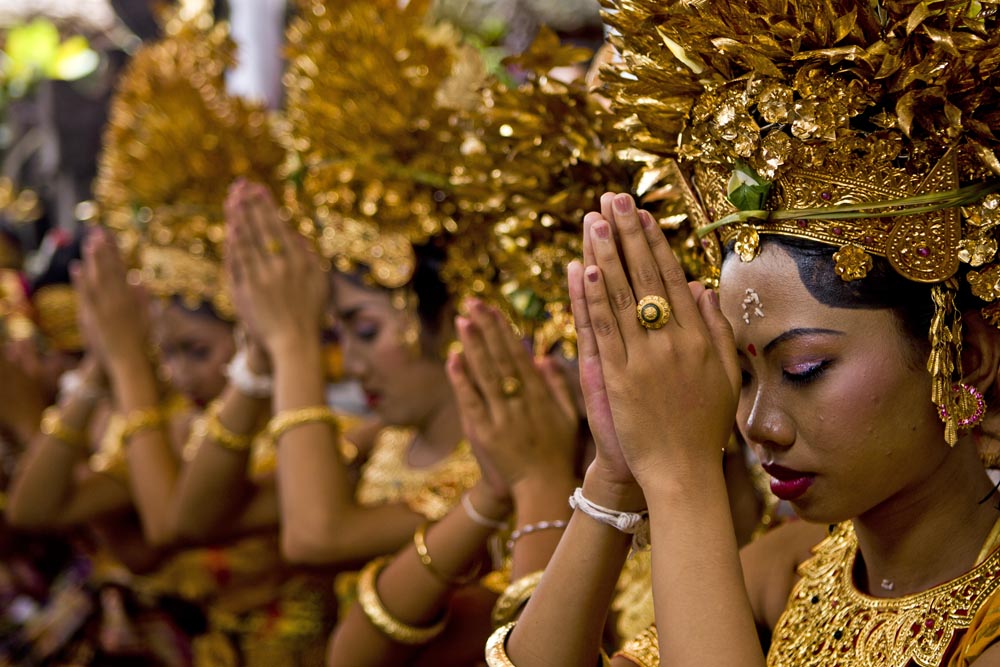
[765, 423]
[353, 360]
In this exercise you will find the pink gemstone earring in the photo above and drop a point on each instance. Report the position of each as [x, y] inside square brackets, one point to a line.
[970, 406]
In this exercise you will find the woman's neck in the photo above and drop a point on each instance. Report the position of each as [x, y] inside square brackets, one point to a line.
[438, 435]
[931, 534]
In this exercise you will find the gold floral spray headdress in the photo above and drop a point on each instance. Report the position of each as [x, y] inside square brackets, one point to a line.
[175, 141]
[535, 163]
[375, 93]
[867, 125]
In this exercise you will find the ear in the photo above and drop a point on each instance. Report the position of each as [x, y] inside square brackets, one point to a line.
[980, 353]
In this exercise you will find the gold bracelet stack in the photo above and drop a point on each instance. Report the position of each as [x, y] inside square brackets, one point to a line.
[286, 420]
[53, 426]
[514, 597]
[380, 617]
[143, 419]
[213, 429]
[420, 543]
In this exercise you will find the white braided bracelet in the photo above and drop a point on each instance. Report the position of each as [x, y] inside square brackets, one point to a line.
[630, 523]
[245, 380]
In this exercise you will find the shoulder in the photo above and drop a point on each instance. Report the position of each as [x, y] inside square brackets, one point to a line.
[981, 642]
[770, 565]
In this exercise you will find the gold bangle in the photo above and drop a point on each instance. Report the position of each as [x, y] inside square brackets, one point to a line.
[496, 649]
[514, 597]
[420, 543]
[53, 426]
[380, 617]
[643, 649]
[211, 427]
[286, 420]
[143, 419]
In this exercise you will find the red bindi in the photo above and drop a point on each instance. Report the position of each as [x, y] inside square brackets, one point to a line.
[752, 350]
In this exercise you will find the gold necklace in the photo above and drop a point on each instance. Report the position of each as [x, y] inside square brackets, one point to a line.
[828, 621]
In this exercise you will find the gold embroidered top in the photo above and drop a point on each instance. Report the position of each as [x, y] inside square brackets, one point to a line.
[828, 621]
[387, 477]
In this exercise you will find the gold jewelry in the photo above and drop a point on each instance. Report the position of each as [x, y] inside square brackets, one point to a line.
[420, 543]
[827, 620]
[643, 649]
[52, 425]
[212, 428]
[273, 246]
[514, 597]
[653, 311]
[511, 386]
[143, 419]
[380, 617]
[286, 420]
[496, 649]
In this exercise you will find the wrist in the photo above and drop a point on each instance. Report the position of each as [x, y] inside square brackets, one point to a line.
[612, 492]
[543, 491]
[489, 503]
[293, 345]
[257, 360]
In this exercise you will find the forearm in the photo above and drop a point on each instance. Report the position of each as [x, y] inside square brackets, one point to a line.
[214, 486]
[563, 621]
[321, 524]
[416, 594]
[152, 465]
[539, 502]
[698, 588]
[44, 484]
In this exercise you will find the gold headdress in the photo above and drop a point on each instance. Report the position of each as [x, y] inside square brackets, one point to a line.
[174, 143]
[374, 97]
[535, 163]
[867, 125]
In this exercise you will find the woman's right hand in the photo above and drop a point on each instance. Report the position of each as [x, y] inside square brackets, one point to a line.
[518, 413]
[279, 290]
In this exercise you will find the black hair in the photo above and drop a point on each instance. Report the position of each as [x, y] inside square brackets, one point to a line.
[433, 298]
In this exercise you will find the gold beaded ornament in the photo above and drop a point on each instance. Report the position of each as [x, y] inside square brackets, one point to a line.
[175, 142]
[864, 125]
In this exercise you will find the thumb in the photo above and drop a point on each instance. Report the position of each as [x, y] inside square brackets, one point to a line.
[721, 333]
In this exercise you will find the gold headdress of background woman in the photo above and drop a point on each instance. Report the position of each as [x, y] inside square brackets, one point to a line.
[535, 162]
[175, 142]
[864, 125]
[375, 92]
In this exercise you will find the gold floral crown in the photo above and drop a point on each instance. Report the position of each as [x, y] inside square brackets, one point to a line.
[375, 92]
[174, 143]
[866, 125]
[535, 163]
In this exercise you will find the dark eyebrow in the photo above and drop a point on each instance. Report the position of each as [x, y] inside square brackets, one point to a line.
[796, 333]
[350, 313]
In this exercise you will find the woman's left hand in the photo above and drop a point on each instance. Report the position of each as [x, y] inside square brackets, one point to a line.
[672, 390]
[114, 316]
[517, 412]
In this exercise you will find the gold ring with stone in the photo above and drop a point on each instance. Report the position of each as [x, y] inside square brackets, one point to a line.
[273, 246]
[653, 311]
[510, 386]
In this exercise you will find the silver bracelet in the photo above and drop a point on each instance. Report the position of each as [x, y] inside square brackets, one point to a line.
[631, 523]
[478, 518]
[245, 380]
[558, 524]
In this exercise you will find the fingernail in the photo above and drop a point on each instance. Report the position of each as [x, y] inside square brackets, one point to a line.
[602, 231]
[623, 204]
[713, 297]
[645, 219]
[592, 274]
